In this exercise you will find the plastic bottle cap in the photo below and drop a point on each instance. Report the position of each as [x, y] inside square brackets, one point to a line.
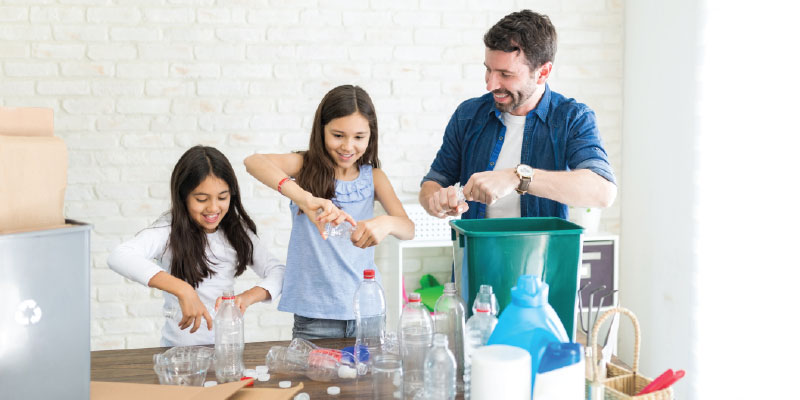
[285, 384]
[250, 373]
[369, 274]
[263, 377]
[558, 355]
[244, 378]
[209, 383]
[334, 390]
[413, 297]
[302, 396]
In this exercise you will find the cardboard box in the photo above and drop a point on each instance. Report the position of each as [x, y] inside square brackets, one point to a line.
[233, 391]
[33, 170]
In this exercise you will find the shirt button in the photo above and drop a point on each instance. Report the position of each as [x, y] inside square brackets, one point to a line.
[501, 138]
[491, 163]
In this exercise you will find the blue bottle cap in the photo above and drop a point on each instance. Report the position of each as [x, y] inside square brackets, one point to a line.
[363, 356]
[559, 355]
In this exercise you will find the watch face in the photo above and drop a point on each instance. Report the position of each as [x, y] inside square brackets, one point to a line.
[525, 170]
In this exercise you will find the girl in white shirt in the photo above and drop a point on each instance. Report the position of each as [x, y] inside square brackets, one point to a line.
[194, 251]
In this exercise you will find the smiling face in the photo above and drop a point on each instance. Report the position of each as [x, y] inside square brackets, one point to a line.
[346, 140]
[515, 87]
[208, 203]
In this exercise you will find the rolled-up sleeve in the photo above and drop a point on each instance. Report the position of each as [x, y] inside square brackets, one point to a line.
[585, 149]
[446, 167]
[268, 267]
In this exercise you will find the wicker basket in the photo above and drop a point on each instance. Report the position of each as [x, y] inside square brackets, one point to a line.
[621, 383]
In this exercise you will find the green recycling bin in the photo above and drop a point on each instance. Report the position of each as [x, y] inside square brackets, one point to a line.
[497, 251]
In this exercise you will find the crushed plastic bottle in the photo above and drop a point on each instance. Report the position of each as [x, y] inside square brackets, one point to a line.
[341, 231]
[369, 306]
[318, 364]
[229, 340]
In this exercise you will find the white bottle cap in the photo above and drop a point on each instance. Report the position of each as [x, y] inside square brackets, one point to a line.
[302, 396]
[210, 383]
[334, 390]
[263, 377]
[285, 384]
[250, 373]
[346, 372]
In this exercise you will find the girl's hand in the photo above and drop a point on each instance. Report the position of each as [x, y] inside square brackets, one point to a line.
[322, 211]
[246, 298]
[370, 232]
[193, 311]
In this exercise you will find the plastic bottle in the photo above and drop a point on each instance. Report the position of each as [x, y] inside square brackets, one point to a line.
[486, 295]
[319, 364]
[448, 318]
[440, 371]
[173, 311]
[416, 333]
[229, 340]
[478, 329]
[369, 306]
[561, 373]
[529, 322]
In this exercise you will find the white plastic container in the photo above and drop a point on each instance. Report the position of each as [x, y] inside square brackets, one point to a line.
[500, 371]
[561, 374]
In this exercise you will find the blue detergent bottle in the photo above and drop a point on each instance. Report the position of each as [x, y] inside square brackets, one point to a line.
[529, 322]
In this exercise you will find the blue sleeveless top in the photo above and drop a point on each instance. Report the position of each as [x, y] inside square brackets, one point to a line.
[322, 276]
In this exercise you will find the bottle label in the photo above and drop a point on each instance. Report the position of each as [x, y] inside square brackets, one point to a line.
[336, 354]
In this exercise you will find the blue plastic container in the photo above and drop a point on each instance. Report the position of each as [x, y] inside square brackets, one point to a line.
[529, 322]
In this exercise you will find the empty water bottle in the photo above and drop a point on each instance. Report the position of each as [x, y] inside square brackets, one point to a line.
[341, 231]
[448, 319]
[486, 295]
[416, 333]
[319, 364]
[479, 327]
[173, 311]
[369, 306]
[440, 371]
[229, 340]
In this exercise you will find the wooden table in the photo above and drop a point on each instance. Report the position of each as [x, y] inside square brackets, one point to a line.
[136, 366]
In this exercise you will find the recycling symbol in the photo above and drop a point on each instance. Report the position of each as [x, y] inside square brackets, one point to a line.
[28, 313]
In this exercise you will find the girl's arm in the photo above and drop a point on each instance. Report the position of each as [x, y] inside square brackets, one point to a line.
[271, 169]
[133, 260]
[396, 223]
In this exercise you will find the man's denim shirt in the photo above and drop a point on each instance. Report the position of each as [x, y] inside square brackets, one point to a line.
[560, 135]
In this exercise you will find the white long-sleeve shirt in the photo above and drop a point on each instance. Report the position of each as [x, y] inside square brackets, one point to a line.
[142, 257]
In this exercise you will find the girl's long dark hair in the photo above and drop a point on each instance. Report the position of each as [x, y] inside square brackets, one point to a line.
[317, 175]
[187, 240]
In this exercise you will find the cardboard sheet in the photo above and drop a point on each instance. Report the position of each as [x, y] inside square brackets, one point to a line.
[27, 121]
[233, 391]
[33, 178]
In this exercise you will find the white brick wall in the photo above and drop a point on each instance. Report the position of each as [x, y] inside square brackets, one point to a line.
[135, 83]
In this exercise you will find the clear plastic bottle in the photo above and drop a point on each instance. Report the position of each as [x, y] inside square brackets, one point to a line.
[229, 340]
[173, 311]
[479, 327]
[319, 364]
[448, 318]
[369, 306]
[486, 295]
[416, 333]
[440, 371]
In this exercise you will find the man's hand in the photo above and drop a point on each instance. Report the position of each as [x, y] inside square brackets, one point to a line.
[444, 202]
[489, 186]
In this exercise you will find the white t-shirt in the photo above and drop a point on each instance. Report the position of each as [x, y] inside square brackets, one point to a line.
[142, 257]
[509, 157]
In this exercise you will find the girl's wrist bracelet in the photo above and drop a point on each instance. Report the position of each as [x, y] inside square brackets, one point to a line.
[280, 184]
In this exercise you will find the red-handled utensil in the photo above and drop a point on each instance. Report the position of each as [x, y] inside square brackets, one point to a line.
[663, 381]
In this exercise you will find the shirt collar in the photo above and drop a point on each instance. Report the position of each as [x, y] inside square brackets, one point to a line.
[541, 109]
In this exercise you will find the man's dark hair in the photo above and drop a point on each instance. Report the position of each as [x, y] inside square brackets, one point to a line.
[525, 31]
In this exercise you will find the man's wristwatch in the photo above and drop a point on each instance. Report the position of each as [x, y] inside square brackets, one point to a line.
[525, 174]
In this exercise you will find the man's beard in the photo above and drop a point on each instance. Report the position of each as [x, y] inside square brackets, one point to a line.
[517, 98]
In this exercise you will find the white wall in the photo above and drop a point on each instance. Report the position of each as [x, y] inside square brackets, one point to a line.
[709, 151]
[134, 83]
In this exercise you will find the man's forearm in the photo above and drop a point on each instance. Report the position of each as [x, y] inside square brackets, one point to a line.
[581, 187]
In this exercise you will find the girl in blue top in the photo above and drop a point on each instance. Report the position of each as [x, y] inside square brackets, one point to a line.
[335, 181]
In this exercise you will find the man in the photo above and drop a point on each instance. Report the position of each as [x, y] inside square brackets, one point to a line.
[522, 149]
